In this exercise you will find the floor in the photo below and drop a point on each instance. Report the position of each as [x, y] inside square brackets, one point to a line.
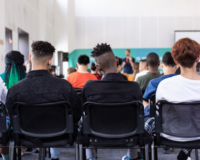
[106, 154]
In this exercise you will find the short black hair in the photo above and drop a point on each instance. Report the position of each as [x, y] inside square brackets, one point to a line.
[152, 59]
[119, 61]
[100, 49]
[83, 60]
[168, 60]
[143, 60]
[42, 48]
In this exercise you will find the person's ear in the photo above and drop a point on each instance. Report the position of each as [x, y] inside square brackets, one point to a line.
[87, 65]
[176, 61]
[30, 56]
[162, 65]
[49, 62]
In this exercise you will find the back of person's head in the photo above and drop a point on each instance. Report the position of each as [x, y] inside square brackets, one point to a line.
[93, 67]
[136, 68]
[168, 60]
[153, 60]
[105, 58]
[186, 52]
[143, 65]
[83, 60]
[119, 64]
[42, 53]
[14, 68]
[128, 52]
[70, 70]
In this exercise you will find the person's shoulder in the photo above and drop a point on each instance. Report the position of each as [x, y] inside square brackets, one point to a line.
[93, 77]
[169, 81]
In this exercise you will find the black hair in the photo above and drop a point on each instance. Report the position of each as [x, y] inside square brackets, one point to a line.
[12, 59]
[178, 71]
[100, 49]
[168, 60]
[143, 60]
[119, 61]
[42, 48]
[152, 59]
[83, 60]
[93, 67]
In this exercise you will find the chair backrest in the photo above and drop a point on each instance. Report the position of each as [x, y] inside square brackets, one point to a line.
[113, 120]
[152, 105]
[43, 120]
[3, 123]
[78, 91]
[178, 119]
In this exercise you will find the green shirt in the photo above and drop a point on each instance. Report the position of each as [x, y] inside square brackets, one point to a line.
[144, 80]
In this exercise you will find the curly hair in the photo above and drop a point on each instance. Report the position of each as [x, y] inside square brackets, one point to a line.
[100, 49]
[42, 48]
[185, 51]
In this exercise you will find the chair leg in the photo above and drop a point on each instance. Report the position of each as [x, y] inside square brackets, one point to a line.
[43, 153]
[196, 154]
[19, 154]
[15, 154]
[39, 158]
[80, 152]
[11, 151]
[49, 151]
[146, 152]
[152, 151]
[76, 151]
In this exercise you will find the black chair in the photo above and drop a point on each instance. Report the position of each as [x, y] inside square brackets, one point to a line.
[3, 128]
[113, 125]
[42, 126]
[177, 125]
[152, 105]
[78, 91]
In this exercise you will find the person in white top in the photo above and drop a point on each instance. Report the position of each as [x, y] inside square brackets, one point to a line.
[185, 87]
[142, 68]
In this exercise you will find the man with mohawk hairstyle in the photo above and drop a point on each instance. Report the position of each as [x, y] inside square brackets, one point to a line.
[112, 88]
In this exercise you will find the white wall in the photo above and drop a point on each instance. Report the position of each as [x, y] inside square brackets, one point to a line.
[133, 23]
[33, 16]
[2, 35]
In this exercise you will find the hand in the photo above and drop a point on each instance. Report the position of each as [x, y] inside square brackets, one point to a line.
[130, 59]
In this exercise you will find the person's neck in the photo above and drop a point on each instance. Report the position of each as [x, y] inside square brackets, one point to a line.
[153, 70]
[145, 69]
[110, 71]
[190, 73]
[34, 68]
[93, 72]
[169, 71]
[82, 69]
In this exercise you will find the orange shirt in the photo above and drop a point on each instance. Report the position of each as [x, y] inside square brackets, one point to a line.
[78, 79]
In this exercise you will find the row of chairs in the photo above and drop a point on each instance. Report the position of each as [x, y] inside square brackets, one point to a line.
[107, 125]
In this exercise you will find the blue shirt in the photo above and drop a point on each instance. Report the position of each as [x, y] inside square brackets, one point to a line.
[128, 68]
[153, 85]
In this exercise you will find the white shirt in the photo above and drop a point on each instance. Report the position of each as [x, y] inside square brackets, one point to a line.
[3, 91]
[141, 74]
[178, 89]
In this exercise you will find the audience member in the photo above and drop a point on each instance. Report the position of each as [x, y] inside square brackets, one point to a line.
[143, 69]
[119, 68]
[186, 53]
[136, 69]
[70, 70]
[81, 76]
[112, 88]
[52, 72]
[153, 64]
[95, 71]
[128, 62]
[169, 69]
[40, 86]
[14, 71]
[28, 66]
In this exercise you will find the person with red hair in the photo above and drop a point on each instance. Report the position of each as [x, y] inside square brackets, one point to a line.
[186, 86]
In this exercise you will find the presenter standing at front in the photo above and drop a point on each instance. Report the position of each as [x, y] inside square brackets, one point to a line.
[128, 62]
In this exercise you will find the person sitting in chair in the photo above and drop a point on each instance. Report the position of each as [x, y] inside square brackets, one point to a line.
[40, 86]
